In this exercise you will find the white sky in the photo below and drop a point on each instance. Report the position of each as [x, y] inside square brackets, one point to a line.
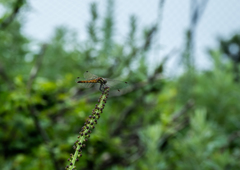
[220, 19]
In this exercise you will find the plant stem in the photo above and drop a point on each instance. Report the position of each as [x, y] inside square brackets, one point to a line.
[86, 129]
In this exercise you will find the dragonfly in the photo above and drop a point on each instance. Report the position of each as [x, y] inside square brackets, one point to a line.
[91, 79]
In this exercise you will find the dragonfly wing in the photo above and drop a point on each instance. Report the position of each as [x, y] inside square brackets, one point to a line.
[116, 84]
[89, 76]
[86, 85]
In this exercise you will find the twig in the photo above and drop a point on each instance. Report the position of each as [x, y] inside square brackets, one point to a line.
[44, 136]
[33, 111]
[36, 67]
[3, 74]
[152, 78]
[153, 31]
[177, 126]
[10, 18]
[5, 77]
[196, 12]
[231, 138]
[120, 122]
[187, 106]
[137, 86]
[156, 27]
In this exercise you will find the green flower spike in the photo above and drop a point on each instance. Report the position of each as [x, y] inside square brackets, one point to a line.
[86, 130]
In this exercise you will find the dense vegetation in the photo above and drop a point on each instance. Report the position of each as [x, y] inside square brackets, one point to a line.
[187, 122]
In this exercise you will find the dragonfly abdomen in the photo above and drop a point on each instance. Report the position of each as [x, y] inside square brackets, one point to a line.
[88, 81]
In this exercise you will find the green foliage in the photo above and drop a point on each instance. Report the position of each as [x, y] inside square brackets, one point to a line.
[150, 125]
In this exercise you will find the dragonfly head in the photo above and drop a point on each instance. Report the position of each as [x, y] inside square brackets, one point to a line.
[104, 81]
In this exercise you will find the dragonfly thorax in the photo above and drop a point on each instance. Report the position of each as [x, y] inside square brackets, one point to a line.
[102, 80]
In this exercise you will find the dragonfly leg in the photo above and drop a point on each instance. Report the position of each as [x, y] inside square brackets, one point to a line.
[100, 88]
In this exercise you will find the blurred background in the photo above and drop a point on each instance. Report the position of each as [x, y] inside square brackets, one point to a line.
[181, 60]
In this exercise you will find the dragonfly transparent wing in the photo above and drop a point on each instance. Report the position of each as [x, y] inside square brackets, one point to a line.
[84, 85]
[116, 84]
[89, 76]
